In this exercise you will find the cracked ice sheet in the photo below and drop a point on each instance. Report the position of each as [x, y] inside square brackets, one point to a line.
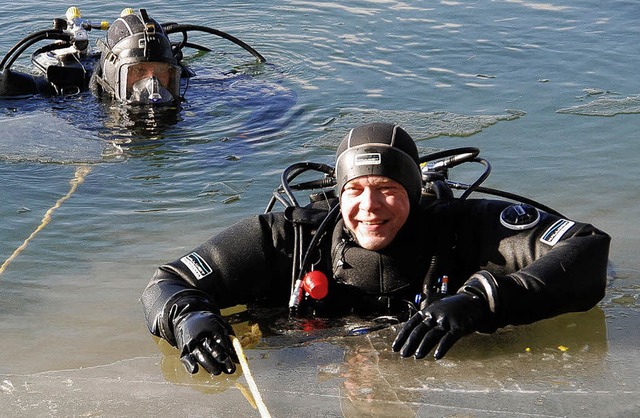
[57, 141]
[605, 106]
[158, 386]
[483, 375]
[421, 125]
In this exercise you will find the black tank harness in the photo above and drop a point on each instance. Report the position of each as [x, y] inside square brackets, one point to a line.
[393, 293]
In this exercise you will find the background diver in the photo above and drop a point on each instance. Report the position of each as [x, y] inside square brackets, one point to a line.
[392, 241]
[135, 63]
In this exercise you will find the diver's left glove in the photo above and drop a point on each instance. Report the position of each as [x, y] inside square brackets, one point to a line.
[442, 323]
[203, 338]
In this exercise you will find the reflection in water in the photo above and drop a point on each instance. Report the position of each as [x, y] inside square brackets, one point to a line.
[174, 372]
[242, 105]
[366, 391]
[561, 352]
[143, 121]
[223, 114]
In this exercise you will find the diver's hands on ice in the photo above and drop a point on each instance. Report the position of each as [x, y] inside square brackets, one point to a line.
[442, 323]
[203, 338]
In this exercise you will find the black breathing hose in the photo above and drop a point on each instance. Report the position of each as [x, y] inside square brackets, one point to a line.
[176, 28]
[451, 157]
[31, 39]
[51, 47]
[480, 179]
[294, 171]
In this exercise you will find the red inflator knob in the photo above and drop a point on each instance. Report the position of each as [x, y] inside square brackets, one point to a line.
[316, 284]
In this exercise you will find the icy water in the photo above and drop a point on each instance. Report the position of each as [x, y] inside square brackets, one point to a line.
[549, 91]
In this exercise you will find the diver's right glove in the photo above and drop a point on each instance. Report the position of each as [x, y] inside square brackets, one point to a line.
[203, 338]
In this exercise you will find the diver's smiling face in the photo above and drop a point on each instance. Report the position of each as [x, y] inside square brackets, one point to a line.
[374, 209]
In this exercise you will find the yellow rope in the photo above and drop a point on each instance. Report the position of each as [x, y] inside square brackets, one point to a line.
[81, 173]
[249, 378]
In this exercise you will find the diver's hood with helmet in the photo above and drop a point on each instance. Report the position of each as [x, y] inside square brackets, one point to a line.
[137, 64]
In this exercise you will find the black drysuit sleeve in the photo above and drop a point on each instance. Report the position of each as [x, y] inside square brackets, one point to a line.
[248, 261]
[526, 276]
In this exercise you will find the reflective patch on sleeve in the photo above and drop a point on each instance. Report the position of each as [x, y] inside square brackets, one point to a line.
[488, 289]
[199, 268]
[556, 231]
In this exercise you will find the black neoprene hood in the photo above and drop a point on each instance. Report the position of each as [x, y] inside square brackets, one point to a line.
[380, 149]
[129, 37]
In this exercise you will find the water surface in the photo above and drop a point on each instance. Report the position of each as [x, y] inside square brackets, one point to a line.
[547, 91]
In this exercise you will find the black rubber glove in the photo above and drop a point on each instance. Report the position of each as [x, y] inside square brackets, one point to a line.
[204, 340]
[443, 323]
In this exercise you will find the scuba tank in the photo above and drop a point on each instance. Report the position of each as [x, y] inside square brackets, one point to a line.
[69, 68]
[62, 67]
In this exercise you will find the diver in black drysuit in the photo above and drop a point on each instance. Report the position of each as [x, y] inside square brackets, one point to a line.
[462, 265]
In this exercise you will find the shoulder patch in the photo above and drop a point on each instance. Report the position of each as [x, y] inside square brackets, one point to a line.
[197, 265]
[556, 231]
